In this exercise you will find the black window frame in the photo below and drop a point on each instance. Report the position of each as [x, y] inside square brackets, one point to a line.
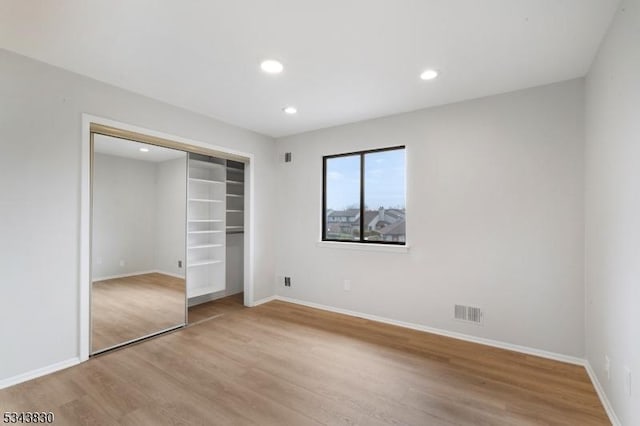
[362, 190]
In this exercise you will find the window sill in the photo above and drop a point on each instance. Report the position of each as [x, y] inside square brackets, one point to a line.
[389, 248]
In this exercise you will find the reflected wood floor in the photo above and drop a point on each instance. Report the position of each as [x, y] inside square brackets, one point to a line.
[127, 308]
[284, 364]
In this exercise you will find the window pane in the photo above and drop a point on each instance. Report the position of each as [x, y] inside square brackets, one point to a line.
[343, 198]
[384, 196]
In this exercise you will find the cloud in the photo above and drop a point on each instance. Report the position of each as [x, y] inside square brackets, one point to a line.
[333, 175]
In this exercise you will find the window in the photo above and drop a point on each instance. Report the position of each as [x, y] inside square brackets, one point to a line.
[364, 197]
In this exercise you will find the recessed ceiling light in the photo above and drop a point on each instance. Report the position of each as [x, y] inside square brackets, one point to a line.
[290, 110]
[429, 74]
[144, 149]
[271, 66]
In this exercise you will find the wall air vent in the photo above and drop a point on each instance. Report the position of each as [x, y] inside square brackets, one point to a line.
[468, 314]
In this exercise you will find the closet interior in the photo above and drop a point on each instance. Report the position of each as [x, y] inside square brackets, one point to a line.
[215, 228]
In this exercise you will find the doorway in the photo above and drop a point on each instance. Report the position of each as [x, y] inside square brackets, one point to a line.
[238, 219]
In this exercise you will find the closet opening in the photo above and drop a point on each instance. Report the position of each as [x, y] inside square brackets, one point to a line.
[166, 228]
[215, 235]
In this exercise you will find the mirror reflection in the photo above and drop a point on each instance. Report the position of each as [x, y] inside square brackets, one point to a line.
[138, 241]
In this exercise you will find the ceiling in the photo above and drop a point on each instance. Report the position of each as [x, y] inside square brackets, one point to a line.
[129, 149]
[344, 61]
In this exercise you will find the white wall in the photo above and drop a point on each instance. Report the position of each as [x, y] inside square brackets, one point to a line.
[40, 140]
[170, 215]
[124, 216]
[138, 216]
[613, 211]
[494, 219]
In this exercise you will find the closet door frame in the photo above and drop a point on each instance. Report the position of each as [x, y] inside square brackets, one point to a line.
[92, 124]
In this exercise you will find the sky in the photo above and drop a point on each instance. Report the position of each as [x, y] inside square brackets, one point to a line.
[384, 180]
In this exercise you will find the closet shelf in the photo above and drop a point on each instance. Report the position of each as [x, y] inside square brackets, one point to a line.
[235, 182]
[204, 232]
[202, 291]
[235, 227]
[235, 195]
[205, 200]
[199, 164]
[234, 211]
[206, 180]
[205, 220]
[205, 262]
[202, 246]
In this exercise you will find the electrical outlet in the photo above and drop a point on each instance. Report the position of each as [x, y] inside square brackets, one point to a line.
[347, 285]
[627, 381]
[607, 367]
[287, 281]
[179, 263]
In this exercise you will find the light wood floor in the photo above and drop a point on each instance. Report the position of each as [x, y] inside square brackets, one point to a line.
[128, 308]
[283, 364]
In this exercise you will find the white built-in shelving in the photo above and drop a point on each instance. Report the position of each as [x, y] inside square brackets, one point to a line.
[209, 181]
[235, 197]
[205, 231]
[204, 200]
[204, 246]
[215, 209]
[206, 225]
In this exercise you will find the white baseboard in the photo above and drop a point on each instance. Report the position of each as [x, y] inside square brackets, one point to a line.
[603, 396]
[171, 274]
[5, 383]
[128, 274]
[265, 300]
[133, 274]
[455, 335]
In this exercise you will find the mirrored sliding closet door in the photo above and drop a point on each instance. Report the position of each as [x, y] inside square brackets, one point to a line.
[138, 241]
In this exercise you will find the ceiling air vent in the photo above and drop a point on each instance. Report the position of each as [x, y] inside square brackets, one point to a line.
[468, 314]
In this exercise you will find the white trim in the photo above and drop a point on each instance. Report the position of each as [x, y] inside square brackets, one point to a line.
[249, 233]
[38, 372]
[266, 300]
[84, 326]
[162, 135]
[601, 393]
[391, 248]
[171, 274]
[460, 336]
[84, 331]
[133, 274]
